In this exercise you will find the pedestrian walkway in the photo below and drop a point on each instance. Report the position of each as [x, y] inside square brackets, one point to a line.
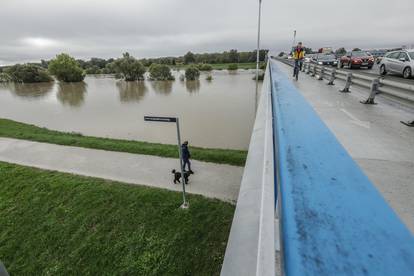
[373, 136]
[210, 180]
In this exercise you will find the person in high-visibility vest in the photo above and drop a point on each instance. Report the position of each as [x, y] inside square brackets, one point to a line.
[298, 55]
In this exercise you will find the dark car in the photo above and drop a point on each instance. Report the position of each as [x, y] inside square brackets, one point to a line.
[357, 59]
[325, 59]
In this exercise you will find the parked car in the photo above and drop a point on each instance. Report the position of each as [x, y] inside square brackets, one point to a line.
[357, 59]
[325, 59]
[398, 62]
[309, 57]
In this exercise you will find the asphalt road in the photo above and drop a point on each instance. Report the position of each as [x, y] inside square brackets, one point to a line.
[374, 71]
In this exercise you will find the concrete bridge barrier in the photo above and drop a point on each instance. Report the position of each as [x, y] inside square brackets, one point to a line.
[332, 220]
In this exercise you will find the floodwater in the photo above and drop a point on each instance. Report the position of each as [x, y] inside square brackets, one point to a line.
[215, 114]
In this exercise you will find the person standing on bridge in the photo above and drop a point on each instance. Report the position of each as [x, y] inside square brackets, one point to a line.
[186, 156]
[298, 56]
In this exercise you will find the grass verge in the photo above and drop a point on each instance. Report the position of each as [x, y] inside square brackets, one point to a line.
[55, 223]
[13, 129]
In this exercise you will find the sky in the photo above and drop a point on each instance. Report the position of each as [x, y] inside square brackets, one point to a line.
[31, 30]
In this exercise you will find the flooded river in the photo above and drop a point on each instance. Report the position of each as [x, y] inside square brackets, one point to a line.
[216, 114]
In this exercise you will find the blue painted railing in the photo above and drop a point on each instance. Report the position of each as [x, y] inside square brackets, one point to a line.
[333, 221]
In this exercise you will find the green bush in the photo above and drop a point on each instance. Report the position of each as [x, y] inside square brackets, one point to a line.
[192, 73]
[204, 67]
[129, 68]
[66, 69]
[160, 72]
[232, 67]
[5, 78]
[209, 78]
[27, 73]
[93, 70]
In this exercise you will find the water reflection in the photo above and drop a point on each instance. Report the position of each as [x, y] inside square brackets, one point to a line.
[162, 87]
[131, 91]
[31, 90]
[193, 86]
[72, 94]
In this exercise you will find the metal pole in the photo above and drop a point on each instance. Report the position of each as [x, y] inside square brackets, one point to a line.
[258, 47]
[185, 203]
[294, 38]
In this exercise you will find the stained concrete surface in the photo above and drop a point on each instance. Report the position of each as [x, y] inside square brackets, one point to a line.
[372, 134]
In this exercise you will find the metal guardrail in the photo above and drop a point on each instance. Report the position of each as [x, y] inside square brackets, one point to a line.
[399, 90]
[332, 220]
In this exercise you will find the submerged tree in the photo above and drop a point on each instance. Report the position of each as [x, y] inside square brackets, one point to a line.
[129, 68]
[27, 73]
[192, 73]
[160, 72]
[66, 69]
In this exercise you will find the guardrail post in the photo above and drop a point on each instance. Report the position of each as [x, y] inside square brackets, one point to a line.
[410, 124]
[307, 69]
[374, 91]
[332, 78]
[314, 71]
[347, 84]
[320, 77]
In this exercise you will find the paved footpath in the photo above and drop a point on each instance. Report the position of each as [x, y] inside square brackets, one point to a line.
[211, 180]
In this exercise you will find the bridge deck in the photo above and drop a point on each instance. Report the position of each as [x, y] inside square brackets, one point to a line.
[333, 220]
[372, 135]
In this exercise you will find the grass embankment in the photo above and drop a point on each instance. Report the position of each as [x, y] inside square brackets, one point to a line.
[13, 129]
[223, 66]
[55, 223]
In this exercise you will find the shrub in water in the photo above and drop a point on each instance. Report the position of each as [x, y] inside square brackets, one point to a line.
[27, 73]
[232, 67]
[160, 72]
[192, 73]
[66, 69]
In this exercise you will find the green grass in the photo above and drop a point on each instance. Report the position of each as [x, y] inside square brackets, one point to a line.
[223, 66]
[55, 223]
[13, 129]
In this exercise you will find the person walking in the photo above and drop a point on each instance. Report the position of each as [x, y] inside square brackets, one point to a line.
[186, 156]
[298, 56]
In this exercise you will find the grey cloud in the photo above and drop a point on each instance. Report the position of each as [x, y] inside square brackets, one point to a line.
[149, 28]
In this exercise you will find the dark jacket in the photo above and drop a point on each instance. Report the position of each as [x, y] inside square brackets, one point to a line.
[185, 152]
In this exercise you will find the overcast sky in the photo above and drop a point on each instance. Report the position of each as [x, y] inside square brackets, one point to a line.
[31, 30]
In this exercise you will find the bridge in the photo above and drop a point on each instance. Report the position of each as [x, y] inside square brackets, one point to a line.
[305, 206]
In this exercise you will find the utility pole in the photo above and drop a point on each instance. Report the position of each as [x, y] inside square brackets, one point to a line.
[258, 49]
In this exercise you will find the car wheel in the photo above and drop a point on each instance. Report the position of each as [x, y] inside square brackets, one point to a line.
[383, 72]
[370, 67]
[407, 73]
[341, 64]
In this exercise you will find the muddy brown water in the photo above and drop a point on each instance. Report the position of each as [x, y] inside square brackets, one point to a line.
[215, 114]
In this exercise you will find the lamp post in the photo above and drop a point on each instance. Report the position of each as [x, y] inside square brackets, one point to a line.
[258, 46]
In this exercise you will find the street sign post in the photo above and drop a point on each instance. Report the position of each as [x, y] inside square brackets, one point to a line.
[175, 120]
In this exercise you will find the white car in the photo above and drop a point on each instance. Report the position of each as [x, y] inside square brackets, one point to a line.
[398, 62]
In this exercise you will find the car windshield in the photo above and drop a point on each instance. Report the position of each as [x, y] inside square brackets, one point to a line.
[359, 54]
[411, 55]
[326, 57]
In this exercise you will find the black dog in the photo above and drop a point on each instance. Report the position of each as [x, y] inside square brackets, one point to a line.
[177, 176]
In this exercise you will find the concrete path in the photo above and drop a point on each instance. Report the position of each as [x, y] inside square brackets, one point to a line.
[372, 134]
[210, 180]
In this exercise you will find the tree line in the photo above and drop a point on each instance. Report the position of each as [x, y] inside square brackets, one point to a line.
[68, 69]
